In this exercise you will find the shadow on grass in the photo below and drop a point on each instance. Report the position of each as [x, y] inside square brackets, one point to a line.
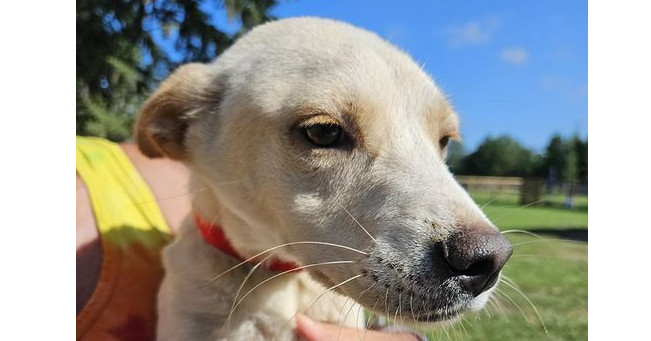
[561, 206]
[577, 234]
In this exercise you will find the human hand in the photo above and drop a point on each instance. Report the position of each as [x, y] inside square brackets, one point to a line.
[318, 331]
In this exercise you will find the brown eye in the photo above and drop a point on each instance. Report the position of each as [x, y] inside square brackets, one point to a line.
[443, 142]
[323, 135]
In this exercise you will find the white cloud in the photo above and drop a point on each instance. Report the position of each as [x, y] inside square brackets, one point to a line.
[514, 55]
[475, 32]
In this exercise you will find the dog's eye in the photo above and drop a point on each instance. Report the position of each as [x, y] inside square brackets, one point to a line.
[443, 142]
[323, 135]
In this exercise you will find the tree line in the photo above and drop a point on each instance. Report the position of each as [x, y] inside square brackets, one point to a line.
[564, 160]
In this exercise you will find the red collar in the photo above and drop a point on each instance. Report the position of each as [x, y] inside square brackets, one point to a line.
[214, 235]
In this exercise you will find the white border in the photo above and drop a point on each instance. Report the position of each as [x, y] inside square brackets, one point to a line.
[37, 114]
[619, 96]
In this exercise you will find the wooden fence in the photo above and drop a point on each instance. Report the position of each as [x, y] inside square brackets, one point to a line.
[493, 183]
[530, 190]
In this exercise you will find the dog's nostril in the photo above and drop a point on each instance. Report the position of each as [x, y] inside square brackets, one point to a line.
[475, 269]
[475, 257]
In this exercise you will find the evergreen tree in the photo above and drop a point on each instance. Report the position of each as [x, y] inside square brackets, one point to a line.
[125, 47]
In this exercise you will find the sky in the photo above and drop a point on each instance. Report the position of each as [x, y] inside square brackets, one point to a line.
[518, 68]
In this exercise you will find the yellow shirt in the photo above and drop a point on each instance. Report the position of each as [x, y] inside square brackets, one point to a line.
[132, 231]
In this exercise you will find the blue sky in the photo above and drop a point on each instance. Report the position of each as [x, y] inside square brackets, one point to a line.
[510, 67]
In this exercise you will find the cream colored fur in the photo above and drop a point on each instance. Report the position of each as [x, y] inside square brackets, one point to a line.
[234, 123]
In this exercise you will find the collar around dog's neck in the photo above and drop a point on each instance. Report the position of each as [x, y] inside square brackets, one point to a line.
[214, 235]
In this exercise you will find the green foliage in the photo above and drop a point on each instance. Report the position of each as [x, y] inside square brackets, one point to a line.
[555, 157]
[456, 154]
[125, 47]
[581, 147]
[502, 156]
[568, 158]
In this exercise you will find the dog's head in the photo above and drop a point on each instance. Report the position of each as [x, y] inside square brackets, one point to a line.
[313, 130]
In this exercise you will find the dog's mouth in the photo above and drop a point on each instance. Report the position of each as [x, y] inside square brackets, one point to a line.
[438, 283]
[414, 301]
[411, 300]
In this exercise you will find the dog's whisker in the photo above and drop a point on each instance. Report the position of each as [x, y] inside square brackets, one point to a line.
[512, 301]
[367, 325]
[453, 329]
[400, 308]
[402, 316]
[386, 307]
[281, 246]
[341, 324]
[329, 289]
[489, 202]
[535, 256]
[465, 331]
[159, 200]
[497, 219]
[395, 319]
[180, 195]
[499, 308]
[504, 279]
[548, 240]
[491, 305]
[526, 298]
[386, 302]
[239, 290]
[366, 231]
[289, 271]
[411, 306]
[360, 306]
[315, 300]
[523, 232]
[364, 292]
[447, 333]
[359, 309]
[227, 183]
[360, 225]
[487, 312]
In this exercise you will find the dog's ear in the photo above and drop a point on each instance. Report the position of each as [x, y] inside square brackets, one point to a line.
[162, 123]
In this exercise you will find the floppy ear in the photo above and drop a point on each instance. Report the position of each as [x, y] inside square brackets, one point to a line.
[162, 123]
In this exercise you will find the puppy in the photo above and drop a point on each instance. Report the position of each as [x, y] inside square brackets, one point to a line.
[319, 182]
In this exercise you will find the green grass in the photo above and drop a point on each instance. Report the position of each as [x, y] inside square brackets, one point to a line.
[507, 213]
[554, 276]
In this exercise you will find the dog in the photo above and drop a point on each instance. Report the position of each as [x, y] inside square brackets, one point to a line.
[320, 185]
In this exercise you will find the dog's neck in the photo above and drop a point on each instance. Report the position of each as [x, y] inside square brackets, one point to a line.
[214, 235]
[224, 230]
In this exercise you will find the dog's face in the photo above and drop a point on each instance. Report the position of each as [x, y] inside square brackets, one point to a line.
[313, 130]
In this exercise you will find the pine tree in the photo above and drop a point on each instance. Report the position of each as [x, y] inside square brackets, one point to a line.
[126, 47]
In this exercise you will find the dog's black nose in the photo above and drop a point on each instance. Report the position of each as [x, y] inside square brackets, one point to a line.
[475, 257]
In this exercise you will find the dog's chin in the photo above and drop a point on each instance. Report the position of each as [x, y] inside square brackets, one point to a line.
[434, 315]
[450, 316]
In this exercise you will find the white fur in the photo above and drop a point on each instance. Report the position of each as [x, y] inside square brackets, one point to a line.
[254, 176]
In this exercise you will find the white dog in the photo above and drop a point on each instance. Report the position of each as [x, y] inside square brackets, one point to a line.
[319, 148]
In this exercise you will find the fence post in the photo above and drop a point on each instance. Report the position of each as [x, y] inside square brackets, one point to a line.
[530, 191]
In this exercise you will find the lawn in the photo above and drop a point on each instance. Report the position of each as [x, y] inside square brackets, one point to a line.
[505, 211]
